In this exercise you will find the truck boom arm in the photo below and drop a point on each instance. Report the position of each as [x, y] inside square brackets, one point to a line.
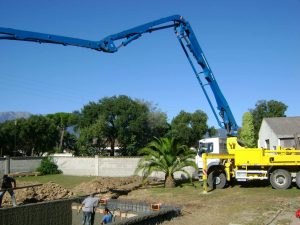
[112, 43]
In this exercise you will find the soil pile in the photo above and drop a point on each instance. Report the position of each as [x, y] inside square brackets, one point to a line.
[110, 186]
[46, 192]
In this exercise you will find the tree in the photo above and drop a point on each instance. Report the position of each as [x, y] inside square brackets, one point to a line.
[89, 114]
[265, 109]
[157, 120]
[188, 128]
[70, 142]
[120, 121]
[37, 134]
[47, 166]
[8, 135]
[212, 131]
[32, 136]
[90, 141]
[62, 121]
[247, 130]
[166, 155]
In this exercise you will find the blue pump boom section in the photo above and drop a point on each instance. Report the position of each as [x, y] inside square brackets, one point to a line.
[113, 43]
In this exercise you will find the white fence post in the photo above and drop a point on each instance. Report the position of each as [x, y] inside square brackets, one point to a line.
[96, 165]
[7, 164]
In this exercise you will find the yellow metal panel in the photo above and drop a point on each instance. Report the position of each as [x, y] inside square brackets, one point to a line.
[262, 157]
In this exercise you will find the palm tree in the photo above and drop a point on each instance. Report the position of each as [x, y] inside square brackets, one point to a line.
[166, 155]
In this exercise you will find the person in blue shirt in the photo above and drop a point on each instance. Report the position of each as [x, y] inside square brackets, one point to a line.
[108, 216]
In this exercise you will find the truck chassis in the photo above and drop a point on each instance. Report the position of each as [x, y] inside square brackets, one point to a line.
[280, 167]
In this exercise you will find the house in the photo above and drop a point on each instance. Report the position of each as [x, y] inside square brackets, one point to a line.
[279, 131]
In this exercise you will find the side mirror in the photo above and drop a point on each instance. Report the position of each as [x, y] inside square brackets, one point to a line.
[200, 152]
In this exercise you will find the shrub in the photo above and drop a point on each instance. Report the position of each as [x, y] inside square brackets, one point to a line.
[48, 167]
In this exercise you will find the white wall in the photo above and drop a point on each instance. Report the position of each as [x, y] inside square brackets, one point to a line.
[117, 167]
[105, 166]
[86, 166]
[266, 133]
[26, 164]
[77, 166]
[2, 165]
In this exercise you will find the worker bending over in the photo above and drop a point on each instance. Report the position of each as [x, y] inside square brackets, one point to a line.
[7, 186]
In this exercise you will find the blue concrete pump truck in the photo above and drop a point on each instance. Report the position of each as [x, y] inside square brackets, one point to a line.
[280, 166]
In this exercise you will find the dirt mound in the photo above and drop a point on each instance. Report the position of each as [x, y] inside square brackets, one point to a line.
[109, 185]
[46, 192]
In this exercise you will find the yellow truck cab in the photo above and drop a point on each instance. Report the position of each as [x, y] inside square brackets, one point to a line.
[280, 167]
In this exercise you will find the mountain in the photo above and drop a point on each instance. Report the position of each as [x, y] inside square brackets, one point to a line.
[13, 115]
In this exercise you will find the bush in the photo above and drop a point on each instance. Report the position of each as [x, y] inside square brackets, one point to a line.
[48, 167]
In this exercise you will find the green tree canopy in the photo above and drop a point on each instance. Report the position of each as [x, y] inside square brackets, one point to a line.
[247, 130]
[212, 131]
[265, 109]
[8, 133]
[91, 140]
[37, 134]
[118, 120]
[188, 128]
[157, 120]
[166, 155]
[63, 120]
[32, 136]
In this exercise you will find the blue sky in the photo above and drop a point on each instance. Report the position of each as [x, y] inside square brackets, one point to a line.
[252, 46]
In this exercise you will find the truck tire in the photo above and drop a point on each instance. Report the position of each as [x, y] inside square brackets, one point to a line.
[216, 179]
[298, 179]
[281, 179]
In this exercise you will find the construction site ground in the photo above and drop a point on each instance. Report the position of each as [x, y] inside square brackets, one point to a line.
[251, 204]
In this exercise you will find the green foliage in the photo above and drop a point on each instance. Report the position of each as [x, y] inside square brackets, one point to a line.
[48, 167]
[265, 109]
[8, 132]
[212, 131]
[70, 141]
[247, 130]
[157, 120]
[119, 121]
[37, 134]
[91, 140]
[165, 155]
[188, 128]
[62, 121]
[32, 136]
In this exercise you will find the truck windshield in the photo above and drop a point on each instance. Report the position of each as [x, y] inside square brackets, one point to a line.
[206, 147]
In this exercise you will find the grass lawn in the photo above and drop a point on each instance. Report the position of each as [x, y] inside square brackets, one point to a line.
[63, 180]
[193, 191]
[240, 204]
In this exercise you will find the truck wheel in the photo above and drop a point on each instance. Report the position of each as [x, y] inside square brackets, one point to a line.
[216, 179]
[298, 179]
[281, 179]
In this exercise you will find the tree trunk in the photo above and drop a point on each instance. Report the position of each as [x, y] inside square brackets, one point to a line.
[61, 139]
[112, 148]
[169, 181]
